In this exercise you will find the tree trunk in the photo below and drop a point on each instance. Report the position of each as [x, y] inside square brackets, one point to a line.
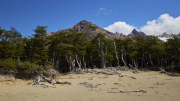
[142, 59]
[84, 62]
[77, 60]
[73, 65]
[102, 54]
[116, 54]
[151, 61]
[91, 60]
[172, 66]
[57, 63]
[146, 60]
[53, 59]
[123, 59]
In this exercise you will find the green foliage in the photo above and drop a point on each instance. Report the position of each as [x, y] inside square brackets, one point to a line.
[42, 51]
[93, 27]
[26, 65]
[8, 64]
[49, 67]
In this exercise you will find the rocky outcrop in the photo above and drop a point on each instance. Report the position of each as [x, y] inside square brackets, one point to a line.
[165, 35]
[178, 34]
[135, 32]
[84, 26]
[121, 35]
[130, 35]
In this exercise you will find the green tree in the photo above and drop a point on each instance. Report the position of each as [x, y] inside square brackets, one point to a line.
[40, 49]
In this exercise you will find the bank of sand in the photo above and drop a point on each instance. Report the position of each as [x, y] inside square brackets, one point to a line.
[167, 90]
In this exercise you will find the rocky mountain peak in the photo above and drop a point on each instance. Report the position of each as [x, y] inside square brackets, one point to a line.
[83, 26]
[135, 32]
[84, 22]
[164, 35]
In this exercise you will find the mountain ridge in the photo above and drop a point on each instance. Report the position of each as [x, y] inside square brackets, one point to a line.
[84, 26]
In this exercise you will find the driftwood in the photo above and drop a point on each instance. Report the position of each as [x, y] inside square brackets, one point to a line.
[121, 68]
[53, 73]
[47, 79]
[135, 70]
[37, 81]
[163, 71]
[157, 83]
[132, 77]
[143, 91]
[153, 87]
[90, 85]
[65, 82]
[106, 71]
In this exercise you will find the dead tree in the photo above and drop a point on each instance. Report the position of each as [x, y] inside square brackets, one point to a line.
[123, 59]
[69, 60]
[73, 65]
[151, 61]
[77, 61]
[135, 70]
[116, 54]
[84, 62]
[102, 53]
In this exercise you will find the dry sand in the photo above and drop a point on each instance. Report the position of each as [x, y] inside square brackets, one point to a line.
[167, 90]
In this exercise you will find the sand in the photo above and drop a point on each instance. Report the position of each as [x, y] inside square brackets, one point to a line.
[159, 87]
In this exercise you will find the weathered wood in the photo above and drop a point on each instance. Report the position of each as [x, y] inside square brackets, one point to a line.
[163, 71]
[65, 82]
[37, 81]
[143, 91]
[135, 69]
[116, 54]
[90, 85]
[47, 79]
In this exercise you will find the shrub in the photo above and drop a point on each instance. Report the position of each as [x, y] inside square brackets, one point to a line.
[8, 64]
[49, 67]
[26, 65]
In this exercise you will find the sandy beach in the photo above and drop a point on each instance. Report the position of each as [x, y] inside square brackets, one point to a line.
[156, 87]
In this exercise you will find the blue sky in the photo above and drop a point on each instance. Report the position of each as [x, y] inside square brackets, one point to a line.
[149, 16]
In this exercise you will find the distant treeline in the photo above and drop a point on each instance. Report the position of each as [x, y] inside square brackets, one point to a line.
[67, 50]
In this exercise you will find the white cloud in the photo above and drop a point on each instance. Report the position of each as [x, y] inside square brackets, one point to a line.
[101, 9]
[165, 23]
[120, 27]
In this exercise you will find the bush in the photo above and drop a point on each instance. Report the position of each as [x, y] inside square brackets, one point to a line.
[49, 67]
[26, 65]
[8, 64]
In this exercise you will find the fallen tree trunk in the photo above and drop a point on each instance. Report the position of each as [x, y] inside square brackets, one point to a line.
[163, 71]
[38, 79]
[65, 82]
[135, 70]
[47, 79]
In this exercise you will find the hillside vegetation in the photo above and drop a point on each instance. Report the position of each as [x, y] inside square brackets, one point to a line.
[69, 50]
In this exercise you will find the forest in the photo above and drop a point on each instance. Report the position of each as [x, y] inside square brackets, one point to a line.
[69, 51]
